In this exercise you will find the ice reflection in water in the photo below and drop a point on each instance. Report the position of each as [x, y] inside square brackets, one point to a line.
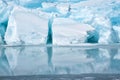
[58, 60]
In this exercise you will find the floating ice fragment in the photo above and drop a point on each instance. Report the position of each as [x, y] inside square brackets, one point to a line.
[68, 31]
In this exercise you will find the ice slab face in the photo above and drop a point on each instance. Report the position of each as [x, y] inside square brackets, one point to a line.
[26, 27]
[68, 31]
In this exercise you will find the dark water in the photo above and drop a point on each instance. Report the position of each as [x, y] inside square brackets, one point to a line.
[40, 60]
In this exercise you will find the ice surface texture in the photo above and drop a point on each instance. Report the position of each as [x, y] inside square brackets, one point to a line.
[39, 22]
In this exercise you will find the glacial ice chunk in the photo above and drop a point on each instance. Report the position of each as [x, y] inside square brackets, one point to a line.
[30, 3]
[100, 17]
[68, 31]
[116, 36]
[26, 27]
[103, 27]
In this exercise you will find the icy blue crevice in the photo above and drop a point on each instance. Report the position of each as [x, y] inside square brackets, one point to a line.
[69, 12]
[49, 36]
[93, 37]
[3, 27]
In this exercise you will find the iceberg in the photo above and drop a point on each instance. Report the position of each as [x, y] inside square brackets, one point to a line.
[116, 36]
[67, 31]
[61, 9]
[30, 3]
[100, 15]
[27, 27]
[103, 27]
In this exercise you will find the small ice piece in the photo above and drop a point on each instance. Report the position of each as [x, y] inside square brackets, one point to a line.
[67, 31]
[31, 3]
[47, 5]
[26, 27]
[63, 8]
[50, 9]
[82, 14]
[103, 27]
[116, 36]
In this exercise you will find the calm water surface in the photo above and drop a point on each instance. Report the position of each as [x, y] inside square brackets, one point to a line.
[40, 60]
